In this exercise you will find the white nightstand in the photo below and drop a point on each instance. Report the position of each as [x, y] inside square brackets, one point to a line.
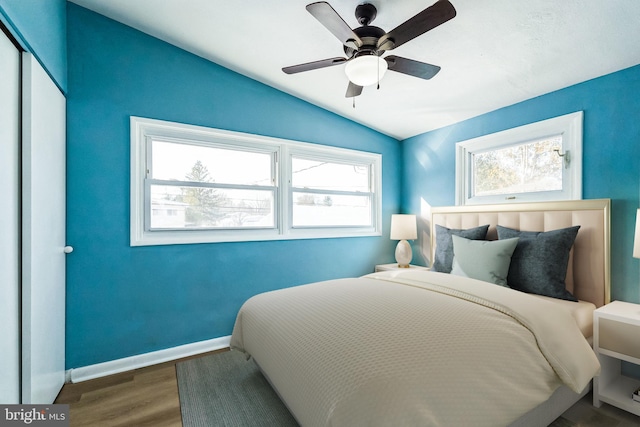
[616, 337]
[394, 266]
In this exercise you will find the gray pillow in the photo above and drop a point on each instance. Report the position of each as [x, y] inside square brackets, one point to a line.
[444, 246]
[539, 263]
[483, 259]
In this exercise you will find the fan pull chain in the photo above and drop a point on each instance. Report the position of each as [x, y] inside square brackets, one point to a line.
[354, 101]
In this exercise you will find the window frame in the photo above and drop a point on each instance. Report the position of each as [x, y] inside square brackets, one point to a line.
[270, 150]
[323, 155]
[569, 126]
[143, 130]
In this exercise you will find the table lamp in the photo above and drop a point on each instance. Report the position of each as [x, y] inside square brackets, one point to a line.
[403, 228]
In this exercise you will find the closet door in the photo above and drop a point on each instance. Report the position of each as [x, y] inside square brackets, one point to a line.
[43, 234]
[9, 221]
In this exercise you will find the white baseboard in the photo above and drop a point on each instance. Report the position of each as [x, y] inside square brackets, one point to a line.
[98, 370]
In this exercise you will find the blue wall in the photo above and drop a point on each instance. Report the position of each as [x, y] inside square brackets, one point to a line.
[124, 300]
[611, 158]
[41, 28]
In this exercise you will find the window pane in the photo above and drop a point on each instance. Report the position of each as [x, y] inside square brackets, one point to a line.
[311, 209]
[185, 162]
[197, 207]
[320, 175]
[524, 168]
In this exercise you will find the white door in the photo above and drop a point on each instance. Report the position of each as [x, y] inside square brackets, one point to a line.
[43, 234]
[9, 221]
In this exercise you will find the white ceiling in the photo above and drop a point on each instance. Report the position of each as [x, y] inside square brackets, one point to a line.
[494, 53]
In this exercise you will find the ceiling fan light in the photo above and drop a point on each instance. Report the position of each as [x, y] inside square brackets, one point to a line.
[366, 70]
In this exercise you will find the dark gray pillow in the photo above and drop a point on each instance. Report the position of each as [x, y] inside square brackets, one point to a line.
[444, 245]
[539, 263]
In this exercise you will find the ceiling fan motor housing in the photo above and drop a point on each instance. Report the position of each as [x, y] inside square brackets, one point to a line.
[369, 36]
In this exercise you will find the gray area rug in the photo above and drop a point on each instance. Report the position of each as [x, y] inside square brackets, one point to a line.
[225, 389]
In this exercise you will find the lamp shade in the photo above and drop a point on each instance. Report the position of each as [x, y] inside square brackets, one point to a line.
[366, 70]
[403, 227]
[636, 240]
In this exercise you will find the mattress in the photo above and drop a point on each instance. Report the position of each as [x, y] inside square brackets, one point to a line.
[581, 311]
[412, 348]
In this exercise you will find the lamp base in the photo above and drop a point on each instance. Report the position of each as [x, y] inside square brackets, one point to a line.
[403, 254]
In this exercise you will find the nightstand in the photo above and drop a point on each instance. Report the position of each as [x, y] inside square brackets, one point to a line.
[394, 266]
[616, 337]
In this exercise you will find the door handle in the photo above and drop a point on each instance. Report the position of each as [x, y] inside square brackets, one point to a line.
[68, 249]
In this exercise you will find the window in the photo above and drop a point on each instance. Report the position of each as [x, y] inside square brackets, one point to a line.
[191, 184]
[541, 161]
[213, 187]
[329, 194]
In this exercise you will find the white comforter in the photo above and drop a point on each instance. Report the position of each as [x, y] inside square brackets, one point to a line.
[412, 348]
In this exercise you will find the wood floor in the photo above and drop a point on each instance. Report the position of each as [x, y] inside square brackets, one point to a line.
[149, 397]
[144, 397]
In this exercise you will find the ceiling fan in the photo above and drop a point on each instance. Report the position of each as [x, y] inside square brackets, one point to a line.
[365, 45]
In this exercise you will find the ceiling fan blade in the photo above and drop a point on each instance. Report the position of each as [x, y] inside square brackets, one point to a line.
[353, 90]
[328, 17]
[313, 65]
[411, 67]
[437, 14]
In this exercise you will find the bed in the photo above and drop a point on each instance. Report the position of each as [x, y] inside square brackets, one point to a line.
[436, 348]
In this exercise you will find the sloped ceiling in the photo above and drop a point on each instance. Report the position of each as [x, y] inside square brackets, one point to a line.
[494, 53]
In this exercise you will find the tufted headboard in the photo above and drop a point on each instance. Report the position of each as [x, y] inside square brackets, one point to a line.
[588, 273]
